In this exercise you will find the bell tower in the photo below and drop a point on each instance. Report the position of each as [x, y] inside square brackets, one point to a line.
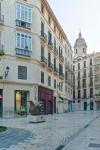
[80, 47]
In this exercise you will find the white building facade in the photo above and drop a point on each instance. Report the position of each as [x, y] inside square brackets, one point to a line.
[36, 52]
[85, 87]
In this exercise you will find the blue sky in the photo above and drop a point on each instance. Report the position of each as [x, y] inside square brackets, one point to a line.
[75, 15]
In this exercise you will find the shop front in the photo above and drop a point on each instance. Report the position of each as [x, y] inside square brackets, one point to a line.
[46, 99]
[21, 98]
[97, 101]
[1, 102]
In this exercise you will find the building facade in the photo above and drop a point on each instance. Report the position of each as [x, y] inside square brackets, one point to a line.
[86, 73]
[35, 59]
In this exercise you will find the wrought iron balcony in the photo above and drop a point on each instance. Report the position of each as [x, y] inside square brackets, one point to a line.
[23, 52]
[43, 36]
[1, 19]
[61, 74]
[43, 60]
[50, 45]
[61, 57]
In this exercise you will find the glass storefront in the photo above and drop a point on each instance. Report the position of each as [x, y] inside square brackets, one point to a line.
[21, 98]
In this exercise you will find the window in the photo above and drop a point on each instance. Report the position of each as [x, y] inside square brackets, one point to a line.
[49, 37]
[23, 13]
[60, 69]
[84, 64]
[49, 19]
[83, 50]
[91, 81]
[54, 43]
[54, 28]
[73, 94]
[78, 83]
[78, 66]
[79, 94]
[42, 8]
[42, 77]
[49, 58]
[54, 63]
[42, 27]
[23, 41]
[91, 92]
[49, 81]
[78, 75]
[55, 83]
[84, 93]
[91, 62]
[22, 72]
[84, 83]
[42, 51]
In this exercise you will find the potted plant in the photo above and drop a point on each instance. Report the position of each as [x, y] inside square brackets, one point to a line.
[35, 115]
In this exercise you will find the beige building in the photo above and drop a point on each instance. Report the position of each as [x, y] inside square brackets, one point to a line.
[86, 77]
[37, 53]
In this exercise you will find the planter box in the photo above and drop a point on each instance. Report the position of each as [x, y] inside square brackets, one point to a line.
[36, 118]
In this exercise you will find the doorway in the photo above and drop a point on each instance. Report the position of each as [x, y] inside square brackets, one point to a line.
[85, 106]
[54, 104]
[91, 105]
[49, 107]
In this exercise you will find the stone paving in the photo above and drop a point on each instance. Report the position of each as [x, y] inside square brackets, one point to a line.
[71, 131]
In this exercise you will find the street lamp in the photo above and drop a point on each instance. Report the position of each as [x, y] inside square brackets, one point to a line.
[7, 71]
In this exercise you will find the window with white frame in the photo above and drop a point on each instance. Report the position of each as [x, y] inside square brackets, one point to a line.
[23, 13]
[23, 41]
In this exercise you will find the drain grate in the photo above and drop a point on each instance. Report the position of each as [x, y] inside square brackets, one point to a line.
[94, 145]
[60, 147]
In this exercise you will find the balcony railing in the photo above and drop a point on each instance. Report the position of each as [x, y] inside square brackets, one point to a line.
[55, 51]
[43, 60]
[1, 19]
[61, 74]
[23, 24]
[61, 57]
[43, 36]
[50, 45]
[23, 52]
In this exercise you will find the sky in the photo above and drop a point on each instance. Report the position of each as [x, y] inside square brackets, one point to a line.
[79, 15]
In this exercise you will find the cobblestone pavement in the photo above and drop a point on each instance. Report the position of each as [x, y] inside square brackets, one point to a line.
[71, 131]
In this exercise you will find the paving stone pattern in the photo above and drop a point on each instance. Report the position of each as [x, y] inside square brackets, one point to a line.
[70, 131]
[12, 137]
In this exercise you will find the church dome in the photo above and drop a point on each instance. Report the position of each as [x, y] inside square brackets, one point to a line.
[80, 41]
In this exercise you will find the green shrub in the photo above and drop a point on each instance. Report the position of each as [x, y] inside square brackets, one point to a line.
[2, 53]
[2, 128]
